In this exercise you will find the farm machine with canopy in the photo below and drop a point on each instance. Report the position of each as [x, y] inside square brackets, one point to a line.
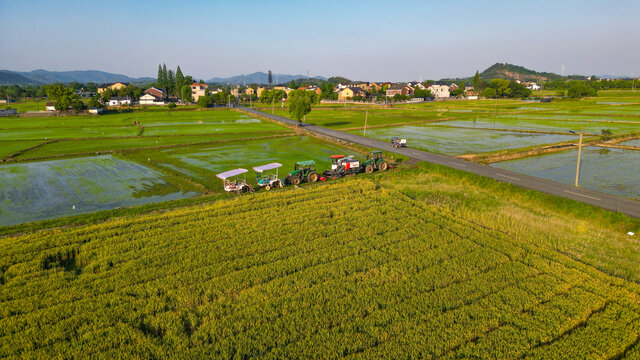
[268, 180]
[232, 182]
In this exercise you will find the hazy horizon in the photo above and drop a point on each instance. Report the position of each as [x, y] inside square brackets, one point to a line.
[360, 40]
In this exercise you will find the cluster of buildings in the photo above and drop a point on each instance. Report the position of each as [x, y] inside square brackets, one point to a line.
[439, 90]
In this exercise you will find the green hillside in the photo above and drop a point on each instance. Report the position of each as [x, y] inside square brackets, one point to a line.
[515, 72]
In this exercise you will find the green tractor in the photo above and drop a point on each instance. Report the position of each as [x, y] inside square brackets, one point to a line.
[375, 161]
[305, 171]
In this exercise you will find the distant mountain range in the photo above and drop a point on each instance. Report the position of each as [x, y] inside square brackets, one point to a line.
[259, 78]
[41, 77]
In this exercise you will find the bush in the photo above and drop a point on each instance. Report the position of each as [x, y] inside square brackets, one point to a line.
[171, 105]
[489, 93]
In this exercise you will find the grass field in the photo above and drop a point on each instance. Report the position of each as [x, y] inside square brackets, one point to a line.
[421, 263]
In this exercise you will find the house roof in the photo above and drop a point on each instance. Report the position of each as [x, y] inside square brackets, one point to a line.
[397, 86]
[155, 97]
[196, 84]
[119, 98]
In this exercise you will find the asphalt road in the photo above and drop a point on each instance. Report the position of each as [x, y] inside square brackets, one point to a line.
[605, 201]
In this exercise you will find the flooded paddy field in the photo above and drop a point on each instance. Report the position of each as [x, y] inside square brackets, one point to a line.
[542, 125]
[611, 171]
[459, 141]
[201, 163]
[50, 189]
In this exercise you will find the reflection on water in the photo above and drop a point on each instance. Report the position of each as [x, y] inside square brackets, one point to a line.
[611, 171]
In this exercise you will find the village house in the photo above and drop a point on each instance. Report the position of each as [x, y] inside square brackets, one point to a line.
[402, 89]
[117, 86]
[314, 88]
[235, 92]
[351, 92]
[198, 90]
[151, 99]
[260, 90]
[50, 106]
[249, 91]
[159, 93]
[361, 84]
[283, 88]
[417, 84]
[439, 90]
[119, 101]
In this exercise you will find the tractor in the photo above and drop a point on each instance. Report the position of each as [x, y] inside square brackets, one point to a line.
[342, 166]
[398, 143]
[305, 171]
[375, 161]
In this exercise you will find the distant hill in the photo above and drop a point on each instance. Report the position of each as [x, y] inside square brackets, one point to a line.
[39, 77]
[259, 78]
[10, 78]
[516, 72]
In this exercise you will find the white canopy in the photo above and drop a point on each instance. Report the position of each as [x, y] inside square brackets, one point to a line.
[230, 173]
[262, 168]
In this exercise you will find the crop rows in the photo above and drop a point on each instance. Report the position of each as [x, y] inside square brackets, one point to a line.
[348, 269]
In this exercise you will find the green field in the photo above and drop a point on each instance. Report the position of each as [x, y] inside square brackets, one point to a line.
[422, 263]
[148, 129]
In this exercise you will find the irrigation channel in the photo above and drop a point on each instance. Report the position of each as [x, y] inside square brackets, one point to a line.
[608, 202]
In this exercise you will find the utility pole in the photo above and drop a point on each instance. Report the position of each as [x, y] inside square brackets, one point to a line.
[366, 115]
[579, 153]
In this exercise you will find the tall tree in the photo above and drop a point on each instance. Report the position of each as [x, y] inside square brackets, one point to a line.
[171, 82]
[179, 79]
[165, 77]
[476, 80]
[159, 80]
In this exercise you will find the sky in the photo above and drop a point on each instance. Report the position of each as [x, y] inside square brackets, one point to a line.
[361, 40]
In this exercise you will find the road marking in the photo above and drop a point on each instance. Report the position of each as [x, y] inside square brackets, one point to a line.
[507, 176]
[456, 164]
[587, 196]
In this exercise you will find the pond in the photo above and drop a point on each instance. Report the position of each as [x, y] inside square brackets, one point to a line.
[51, 189]
[459, 141]
[611, 171]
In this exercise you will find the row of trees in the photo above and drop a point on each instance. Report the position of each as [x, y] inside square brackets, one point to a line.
[173, 83]
[501, 88]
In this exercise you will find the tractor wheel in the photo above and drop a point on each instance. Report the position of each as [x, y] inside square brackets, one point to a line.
[368, 169]
[295, 180]
[313, 176]
[383, 166]
[244, 189]
[267, 187]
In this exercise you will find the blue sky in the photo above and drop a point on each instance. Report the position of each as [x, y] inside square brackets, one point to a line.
[365, 40]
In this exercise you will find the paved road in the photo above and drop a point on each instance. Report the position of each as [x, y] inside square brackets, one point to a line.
[605, 201]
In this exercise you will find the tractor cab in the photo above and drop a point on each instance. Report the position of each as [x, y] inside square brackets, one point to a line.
[375, 155]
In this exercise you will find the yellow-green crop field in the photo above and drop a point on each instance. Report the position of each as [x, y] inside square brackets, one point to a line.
[419, 263]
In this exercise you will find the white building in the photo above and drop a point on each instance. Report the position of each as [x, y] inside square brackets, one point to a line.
[439, 91]
[198, 90]
[150, 99]
[119, 101]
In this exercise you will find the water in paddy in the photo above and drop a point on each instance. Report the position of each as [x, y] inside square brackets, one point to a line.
[51, 189]
[634, 142]
[542, 125]
[458, 141]
[611, 171]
